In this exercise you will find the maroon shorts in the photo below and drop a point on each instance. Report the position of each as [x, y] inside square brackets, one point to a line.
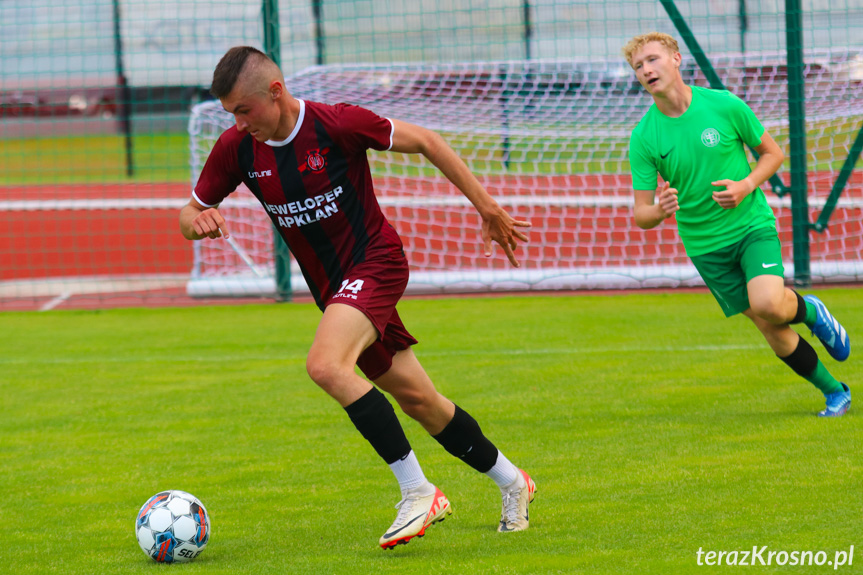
[374, 287]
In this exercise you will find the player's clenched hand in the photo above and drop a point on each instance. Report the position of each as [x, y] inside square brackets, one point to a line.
[666, 199]
[734, 192]
[503, 229]
[210, 224]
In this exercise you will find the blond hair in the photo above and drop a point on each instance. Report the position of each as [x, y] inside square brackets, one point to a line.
[638, 42]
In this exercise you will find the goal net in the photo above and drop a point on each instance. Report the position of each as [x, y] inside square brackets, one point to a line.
[549, 140]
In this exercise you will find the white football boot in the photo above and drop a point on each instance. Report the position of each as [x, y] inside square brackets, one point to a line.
[517, 497]
[416, 512]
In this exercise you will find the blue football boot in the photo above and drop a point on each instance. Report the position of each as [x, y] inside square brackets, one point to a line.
[837, 403]
[829, 331]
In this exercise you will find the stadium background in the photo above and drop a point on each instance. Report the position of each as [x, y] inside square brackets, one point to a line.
[95, 98]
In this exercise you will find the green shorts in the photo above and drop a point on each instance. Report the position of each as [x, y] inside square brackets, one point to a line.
[727, 271]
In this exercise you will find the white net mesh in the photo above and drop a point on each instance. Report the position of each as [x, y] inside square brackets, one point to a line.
[549, 140]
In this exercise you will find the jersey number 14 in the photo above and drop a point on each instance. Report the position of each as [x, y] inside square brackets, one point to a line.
[353, 287]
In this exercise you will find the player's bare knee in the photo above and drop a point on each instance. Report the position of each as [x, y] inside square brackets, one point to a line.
[770, 310]
[323, 371]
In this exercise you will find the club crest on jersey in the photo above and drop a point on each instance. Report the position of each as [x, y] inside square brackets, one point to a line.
[710, 137]
[316, 160]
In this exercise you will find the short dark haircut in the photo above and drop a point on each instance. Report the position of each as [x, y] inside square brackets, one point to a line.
[229, 67]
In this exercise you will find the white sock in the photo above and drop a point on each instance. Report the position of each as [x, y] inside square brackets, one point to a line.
[408, 472]
[503, 472]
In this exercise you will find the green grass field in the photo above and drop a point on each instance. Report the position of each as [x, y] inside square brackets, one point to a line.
[652, 426]
[163, 157]
[158, 157]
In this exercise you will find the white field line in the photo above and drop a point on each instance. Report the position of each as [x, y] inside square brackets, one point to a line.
[568, 351]
[54, 302]
[67, 287]
[108, 204]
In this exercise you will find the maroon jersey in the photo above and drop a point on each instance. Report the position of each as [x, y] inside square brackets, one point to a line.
[316, 187]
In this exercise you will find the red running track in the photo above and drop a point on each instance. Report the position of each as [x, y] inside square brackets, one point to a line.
[48, 243]
[51, 243]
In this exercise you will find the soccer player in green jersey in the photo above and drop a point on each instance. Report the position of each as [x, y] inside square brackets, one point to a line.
[694, 138]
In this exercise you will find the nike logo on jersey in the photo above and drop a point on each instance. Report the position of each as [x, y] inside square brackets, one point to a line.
[663, 156]
[765, 266]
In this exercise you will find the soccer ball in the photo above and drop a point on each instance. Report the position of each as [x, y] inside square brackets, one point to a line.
[173, 526]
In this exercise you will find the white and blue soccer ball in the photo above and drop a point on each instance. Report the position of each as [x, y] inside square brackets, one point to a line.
[173, 526]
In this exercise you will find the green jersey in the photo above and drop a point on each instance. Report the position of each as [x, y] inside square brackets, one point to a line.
[703, 145]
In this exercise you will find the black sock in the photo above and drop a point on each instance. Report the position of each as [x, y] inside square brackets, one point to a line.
[376, 420]
[463, 438]
[803, 360]
[800, 316]
[805, 363]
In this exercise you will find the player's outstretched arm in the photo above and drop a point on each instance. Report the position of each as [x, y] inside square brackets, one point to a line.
[497, 224]
[653, 208]
[198, 222]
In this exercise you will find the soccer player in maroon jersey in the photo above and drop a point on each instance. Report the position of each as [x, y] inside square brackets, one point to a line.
[306, 163]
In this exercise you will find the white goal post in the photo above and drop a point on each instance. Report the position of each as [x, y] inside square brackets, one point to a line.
[549, 140]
